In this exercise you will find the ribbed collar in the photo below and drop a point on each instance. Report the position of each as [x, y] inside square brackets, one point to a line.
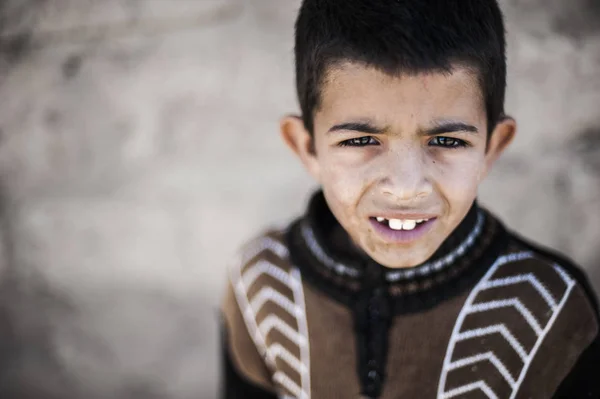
[324, 252]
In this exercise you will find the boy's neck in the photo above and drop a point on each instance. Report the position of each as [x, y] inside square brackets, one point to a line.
[325, 256]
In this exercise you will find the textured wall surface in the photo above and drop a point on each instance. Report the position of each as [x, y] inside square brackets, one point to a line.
[139, 148]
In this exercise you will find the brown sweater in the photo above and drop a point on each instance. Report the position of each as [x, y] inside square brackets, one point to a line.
[489, 316]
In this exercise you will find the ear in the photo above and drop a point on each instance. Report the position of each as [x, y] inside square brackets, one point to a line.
[300, 141]
[501, 137]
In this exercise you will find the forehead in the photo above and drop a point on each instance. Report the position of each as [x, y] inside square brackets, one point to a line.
[354, 91]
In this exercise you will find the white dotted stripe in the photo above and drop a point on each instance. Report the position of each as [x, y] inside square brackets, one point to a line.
[428, 268]
[325, 259]
[422, 270]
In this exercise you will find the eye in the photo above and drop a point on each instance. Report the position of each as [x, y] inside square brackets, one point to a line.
[359, 142]
[447, 142]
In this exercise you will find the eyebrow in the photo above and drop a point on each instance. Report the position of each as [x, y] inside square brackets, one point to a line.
[439, 128]
[449, 127]
[362, 127]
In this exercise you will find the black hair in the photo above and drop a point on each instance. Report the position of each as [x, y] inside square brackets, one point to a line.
[401, 36]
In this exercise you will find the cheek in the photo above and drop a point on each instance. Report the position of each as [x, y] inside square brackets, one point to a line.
[343, 179]
[458, 177]
[342, 188]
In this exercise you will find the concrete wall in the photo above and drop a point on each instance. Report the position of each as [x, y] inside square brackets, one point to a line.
[139, 148]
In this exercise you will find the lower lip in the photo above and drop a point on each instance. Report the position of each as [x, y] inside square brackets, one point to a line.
[402, 236]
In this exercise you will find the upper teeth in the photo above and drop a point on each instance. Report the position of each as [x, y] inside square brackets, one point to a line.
[397, 224]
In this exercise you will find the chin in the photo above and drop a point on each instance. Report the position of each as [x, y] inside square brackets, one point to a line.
[399, 262]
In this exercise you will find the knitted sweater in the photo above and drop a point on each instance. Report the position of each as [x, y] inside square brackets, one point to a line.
[489, 316]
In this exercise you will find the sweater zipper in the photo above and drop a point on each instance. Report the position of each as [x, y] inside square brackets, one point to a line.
[372, 317]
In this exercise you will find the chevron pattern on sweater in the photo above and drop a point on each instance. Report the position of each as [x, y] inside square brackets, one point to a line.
[269, 292]
[502, 325]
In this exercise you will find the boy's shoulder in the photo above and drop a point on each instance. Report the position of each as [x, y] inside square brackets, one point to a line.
[266, 248]
[549, 290]
[540, 264]
[555, 297]
[265, 295]
[261, 272]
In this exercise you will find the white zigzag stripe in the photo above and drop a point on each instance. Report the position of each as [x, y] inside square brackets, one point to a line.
[468, 308]
[275, 322]
[565, 277]
[464, 311]
[471, 387]
[250, 308]
[489, 356]
[269, 294]
[523, 278]
[445, 261]
[278, 351]
[263, 267]
[570, 284]
[498, 328]
[281, 378]
[505, 303]
[303, 330]
[247, 312]
[256, 247]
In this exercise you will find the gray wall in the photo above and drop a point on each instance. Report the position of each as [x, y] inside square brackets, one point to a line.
[139, 148]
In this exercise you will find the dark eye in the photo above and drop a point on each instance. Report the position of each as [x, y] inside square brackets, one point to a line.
[359, 142]
[448, 142]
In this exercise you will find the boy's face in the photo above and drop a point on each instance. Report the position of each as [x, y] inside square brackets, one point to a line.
[408, 149]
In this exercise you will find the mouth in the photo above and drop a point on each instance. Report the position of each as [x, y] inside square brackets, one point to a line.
[405, 230]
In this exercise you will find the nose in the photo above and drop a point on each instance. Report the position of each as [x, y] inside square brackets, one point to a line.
[405, 176]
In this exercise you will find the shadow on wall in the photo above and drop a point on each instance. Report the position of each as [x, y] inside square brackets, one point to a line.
[574, 28]
[16, 25]
[586, 147]
[577, 19]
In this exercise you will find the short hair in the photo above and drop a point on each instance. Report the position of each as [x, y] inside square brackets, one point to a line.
[401, 36]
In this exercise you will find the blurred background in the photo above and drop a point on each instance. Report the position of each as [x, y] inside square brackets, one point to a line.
[139, 148]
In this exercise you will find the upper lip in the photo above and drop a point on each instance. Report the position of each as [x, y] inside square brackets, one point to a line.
[404, 215]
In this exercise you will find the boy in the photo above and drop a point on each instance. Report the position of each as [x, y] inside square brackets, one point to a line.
[396, 283]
